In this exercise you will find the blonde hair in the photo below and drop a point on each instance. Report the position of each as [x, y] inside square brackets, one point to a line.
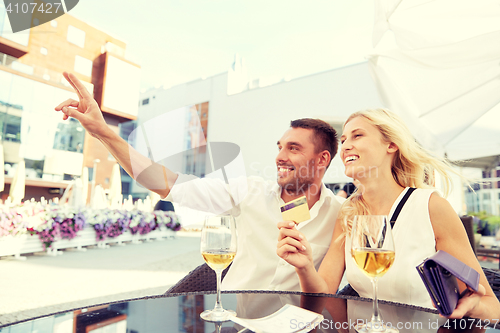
[412, 166]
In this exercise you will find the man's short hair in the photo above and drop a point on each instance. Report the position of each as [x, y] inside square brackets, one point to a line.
[324, 136]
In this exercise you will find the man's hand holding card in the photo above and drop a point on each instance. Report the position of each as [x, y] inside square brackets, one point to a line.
[296, 210]
[292, 245]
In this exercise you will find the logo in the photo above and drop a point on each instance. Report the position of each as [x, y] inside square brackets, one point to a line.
[26, 14]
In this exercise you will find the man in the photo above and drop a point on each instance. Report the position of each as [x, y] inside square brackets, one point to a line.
[304, 154]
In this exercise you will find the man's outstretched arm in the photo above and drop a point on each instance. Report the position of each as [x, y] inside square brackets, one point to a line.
[151, 175]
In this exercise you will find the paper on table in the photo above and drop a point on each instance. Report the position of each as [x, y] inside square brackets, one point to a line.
[288, 319]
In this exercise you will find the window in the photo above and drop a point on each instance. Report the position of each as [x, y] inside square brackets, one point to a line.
[10, 122]
[486, 196]
[83, 66]
[76, 36]
[43, 51]
[69, 136]
[145, 101]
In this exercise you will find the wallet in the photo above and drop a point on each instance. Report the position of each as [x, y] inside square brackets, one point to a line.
[439, 274]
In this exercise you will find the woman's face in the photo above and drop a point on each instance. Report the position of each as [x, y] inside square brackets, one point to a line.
[363, 151]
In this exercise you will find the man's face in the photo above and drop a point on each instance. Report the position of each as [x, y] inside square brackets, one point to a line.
[296, 160]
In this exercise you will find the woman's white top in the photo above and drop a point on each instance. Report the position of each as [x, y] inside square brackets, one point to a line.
[414, 241]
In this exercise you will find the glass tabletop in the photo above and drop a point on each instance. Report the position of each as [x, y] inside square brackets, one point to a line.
[181, 313]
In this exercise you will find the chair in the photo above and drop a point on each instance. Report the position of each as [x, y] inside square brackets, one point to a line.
[165, 206]
[202, 278]
[468, 223]
[348, 291]
[492, 275]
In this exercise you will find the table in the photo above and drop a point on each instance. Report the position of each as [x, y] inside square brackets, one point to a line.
[180, 313]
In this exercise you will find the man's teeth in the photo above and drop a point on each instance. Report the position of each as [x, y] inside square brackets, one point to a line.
[351, 158]
[284, 169]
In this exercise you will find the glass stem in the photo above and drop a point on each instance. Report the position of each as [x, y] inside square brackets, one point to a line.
[376, 320]
[218, 304]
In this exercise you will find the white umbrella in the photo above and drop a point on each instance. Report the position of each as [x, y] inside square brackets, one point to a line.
[2, 171]
[115, 185]
[439, 69]
[16, 193]
[85, 185]
[99, 198]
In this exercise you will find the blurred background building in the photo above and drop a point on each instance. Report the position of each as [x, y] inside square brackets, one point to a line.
[231, 107]
[255, 113]
[32, 84]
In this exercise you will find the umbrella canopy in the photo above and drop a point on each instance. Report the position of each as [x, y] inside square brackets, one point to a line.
[16, 193]
[115, 185]
[439, 69]
[85, 185]
[99, 198]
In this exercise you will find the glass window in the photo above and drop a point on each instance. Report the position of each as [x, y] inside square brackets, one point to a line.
[83, 66]
[34, 168]
[76, 36]
[486, 196]
[127, 128]
[145, 101]
[69, 136]
[10, 122]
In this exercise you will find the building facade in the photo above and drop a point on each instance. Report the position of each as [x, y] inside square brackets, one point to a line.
[32, 84]
[254, 114]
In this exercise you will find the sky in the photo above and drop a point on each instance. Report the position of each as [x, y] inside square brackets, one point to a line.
[176, 41]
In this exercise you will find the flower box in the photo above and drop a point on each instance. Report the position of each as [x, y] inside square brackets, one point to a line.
[32, 227]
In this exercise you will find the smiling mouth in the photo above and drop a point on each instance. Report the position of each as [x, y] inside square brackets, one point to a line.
[283, 170]
[350, 159]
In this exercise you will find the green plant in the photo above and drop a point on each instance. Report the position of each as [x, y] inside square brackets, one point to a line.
[493, 220]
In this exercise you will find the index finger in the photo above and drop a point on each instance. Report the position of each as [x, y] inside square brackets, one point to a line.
[77, 85]
[286, 224]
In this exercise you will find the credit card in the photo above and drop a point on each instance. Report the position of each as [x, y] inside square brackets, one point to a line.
[296, 210]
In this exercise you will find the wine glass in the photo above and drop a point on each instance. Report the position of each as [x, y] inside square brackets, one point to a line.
[218, 248]
[372, 248]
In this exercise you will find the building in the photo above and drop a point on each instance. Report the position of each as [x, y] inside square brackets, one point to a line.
[32, 84]
[254, 114]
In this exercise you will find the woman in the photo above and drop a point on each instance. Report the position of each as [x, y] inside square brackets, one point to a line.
[378, 150]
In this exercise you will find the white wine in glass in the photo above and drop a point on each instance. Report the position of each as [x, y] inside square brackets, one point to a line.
[218, 248]
[372, 248]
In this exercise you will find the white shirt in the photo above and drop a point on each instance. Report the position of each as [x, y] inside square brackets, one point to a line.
[256, 265]
[414, 241]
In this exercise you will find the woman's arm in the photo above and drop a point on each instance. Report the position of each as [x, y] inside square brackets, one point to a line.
[295, 249]
[452, 238]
